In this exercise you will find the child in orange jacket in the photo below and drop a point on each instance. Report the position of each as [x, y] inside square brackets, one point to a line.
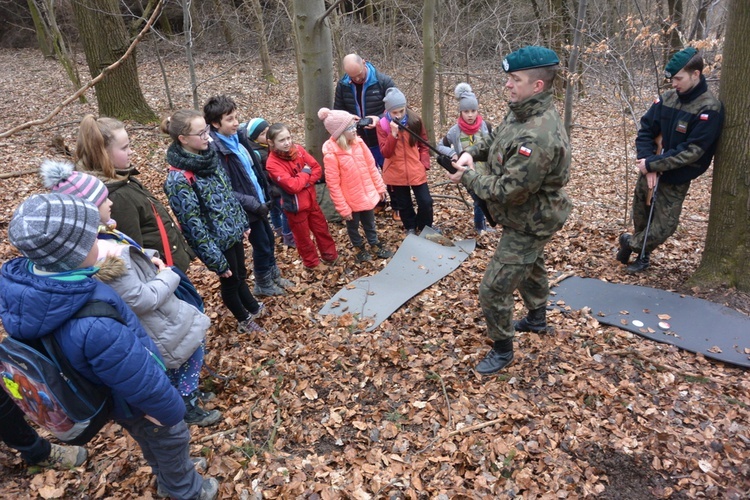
[406, 162]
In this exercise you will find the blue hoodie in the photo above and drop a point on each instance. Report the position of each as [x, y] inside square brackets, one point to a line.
[103, 350]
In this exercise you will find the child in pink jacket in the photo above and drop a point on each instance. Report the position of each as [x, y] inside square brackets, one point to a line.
[354, 181]
[295, 171]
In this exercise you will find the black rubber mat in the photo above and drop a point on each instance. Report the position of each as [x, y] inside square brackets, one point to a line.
[689, 323]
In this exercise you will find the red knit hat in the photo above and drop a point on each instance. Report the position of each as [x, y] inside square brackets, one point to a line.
[336, 121]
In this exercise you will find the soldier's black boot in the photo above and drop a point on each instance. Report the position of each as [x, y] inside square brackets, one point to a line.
[500, 356]
[639, 264]
[623, 254]
[535, 321]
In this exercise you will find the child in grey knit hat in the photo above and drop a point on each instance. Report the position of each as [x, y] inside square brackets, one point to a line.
[470, 127]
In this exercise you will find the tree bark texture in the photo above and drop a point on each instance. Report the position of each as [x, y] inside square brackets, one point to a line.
[105, 40]
[726, 257]
[316, 60]
[265, 58]
[428, 69]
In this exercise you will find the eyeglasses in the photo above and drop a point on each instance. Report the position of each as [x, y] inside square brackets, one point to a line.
[203, 134]
[351, 128]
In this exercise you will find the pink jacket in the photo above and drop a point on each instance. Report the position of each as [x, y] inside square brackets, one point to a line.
[352, 177]
[404, 165]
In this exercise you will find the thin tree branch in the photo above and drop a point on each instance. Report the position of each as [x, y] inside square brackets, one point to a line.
[330, 9]
[93, 82]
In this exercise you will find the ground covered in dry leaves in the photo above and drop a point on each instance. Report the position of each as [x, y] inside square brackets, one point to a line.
[318, 409]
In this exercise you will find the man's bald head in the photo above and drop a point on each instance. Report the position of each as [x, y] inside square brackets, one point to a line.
[354, 66]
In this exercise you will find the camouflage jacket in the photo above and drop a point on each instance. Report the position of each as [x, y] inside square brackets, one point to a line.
[527, 161]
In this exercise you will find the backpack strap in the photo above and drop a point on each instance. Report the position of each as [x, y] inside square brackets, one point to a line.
[94, 308]
[190, 176]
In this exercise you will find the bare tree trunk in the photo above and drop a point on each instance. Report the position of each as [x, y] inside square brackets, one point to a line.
[699, 25]
[572, 63]
[42, 37]
[45, 9]
[314, 36]
[289, 8]
[187, 17]
[428, 68]
[726, 257]
[104, 38]
[225, 27]
[265, 58]
[337, 45]
[676, 10]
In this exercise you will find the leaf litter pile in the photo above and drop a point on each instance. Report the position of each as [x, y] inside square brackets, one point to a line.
[317, 408]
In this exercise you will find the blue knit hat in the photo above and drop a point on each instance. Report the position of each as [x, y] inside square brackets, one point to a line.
[255, 127]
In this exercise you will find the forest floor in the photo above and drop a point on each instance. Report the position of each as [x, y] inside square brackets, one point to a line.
[318, 409]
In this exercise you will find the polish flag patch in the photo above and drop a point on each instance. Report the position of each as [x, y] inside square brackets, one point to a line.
[524, 151]
[704, 117]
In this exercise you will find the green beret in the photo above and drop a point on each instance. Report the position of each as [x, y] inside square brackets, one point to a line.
[530, 57]
[678, 61]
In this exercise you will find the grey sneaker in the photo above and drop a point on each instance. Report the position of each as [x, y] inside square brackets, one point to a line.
[64, 457]
[250, 326]
[200, 465]
[195, 415]
[210, 489]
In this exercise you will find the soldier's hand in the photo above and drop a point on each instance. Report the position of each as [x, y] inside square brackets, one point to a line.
[465, 160]
[651, 179]
[455, 177]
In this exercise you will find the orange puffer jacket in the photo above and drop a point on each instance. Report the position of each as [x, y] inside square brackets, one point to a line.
[353, 179]
[405, 165]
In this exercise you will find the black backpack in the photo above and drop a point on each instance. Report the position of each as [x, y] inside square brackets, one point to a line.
[41, 382]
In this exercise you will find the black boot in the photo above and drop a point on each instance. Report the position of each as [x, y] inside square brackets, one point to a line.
[535, 321]
[500, 356]
[639, 264]
[623, 254]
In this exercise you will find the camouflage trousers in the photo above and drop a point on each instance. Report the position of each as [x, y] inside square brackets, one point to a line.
[667, 209]
[518, 264]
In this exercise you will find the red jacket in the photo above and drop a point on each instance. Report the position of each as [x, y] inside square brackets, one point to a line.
[405, 165]
[352, 177]
[288, 175]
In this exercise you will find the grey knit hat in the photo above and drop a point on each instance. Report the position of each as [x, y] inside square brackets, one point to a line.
[54, 231]
[394, 99]
[466, 98]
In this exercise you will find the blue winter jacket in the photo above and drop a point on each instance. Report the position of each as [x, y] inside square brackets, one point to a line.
[103, 350]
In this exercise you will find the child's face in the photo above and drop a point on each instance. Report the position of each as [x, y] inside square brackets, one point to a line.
[398, 113]
[261, 139]
[228, 125]
[469, 115]
[105, 210]
[351, 132]
[283, 141]
[196, 140]
[119, 150]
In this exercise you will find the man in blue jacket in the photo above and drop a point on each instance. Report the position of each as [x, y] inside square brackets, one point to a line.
[40, 294]
[360, 92]
[688, 118]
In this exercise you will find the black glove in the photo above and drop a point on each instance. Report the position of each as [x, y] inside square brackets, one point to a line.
[262, 211]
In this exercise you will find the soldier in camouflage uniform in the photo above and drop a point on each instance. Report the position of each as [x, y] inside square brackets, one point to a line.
[527, 160]
[689, 120]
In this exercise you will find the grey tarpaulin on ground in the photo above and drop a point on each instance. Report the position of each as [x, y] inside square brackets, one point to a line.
[417, 264]
[695, 325]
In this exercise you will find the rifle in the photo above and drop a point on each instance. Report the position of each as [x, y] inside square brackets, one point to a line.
[446, 162]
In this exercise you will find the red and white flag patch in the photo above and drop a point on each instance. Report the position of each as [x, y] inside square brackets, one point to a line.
[704, 117]
[524, 151]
